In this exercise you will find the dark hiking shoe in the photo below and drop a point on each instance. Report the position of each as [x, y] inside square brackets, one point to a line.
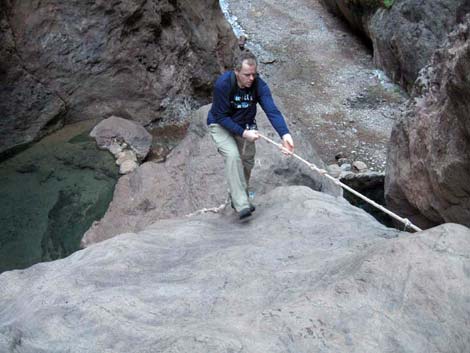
[252, 207]
[245, 213]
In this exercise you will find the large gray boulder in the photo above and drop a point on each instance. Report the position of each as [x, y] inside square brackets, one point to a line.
[118, 131]
[192, 178]
[310, 273]
[65, 61]
[428, 168]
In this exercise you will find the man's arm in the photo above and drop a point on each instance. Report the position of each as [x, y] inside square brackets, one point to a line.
[274, 115]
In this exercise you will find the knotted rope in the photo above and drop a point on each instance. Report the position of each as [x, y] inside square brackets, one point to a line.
[323, 172]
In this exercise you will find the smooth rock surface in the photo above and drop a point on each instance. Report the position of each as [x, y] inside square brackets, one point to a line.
[310, 273]
[428, 172]
[115, 129]
[66, 61]
[193, 178]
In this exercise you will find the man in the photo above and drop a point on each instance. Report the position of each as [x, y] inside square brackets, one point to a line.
[232, 125]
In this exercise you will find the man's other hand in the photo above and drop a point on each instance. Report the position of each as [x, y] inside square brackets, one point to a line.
[250, 135]
[288, 144]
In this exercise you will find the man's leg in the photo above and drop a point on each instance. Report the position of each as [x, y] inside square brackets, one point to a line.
[247, 151]
[234, 171]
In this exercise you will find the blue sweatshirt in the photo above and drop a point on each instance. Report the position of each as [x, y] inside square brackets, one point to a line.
[233, 113]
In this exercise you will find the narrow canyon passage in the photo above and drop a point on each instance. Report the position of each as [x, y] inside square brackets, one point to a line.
[322, 76]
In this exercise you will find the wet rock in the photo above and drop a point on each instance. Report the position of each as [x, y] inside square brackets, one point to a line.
[428, 159]
[192, 178]
[308, 265]
[65, 61]
[346, 167]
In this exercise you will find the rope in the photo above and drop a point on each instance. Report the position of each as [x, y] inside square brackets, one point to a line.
[323, 172]
[207, 210]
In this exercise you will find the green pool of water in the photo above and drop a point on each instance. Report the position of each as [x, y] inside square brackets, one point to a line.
[50, 195]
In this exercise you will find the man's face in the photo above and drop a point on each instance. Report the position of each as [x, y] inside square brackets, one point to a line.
[246, 76]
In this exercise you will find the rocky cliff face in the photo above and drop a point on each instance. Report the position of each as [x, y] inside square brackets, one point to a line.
[28, 108]
[64, 61]
[429, 155]
[404, 35]
[356, 13]
[310, 273]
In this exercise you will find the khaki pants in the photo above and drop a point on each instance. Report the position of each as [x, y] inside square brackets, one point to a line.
[239, 159]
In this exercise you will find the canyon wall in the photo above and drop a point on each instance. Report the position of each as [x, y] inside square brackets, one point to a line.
[428, 165]
[404, 33]
[66, 61]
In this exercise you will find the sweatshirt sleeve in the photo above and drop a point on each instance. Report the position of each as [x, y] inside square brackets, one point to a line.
[274, 115]
[221, 107]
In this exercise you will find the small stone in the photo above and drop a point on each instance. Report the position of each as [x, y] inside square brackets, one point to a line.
[126, 155]
[127, 166]
[242, 42]
[115, 148]
[339, 155]
[346, 167]
[342, 161]
[334, 170]
[359, 166]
